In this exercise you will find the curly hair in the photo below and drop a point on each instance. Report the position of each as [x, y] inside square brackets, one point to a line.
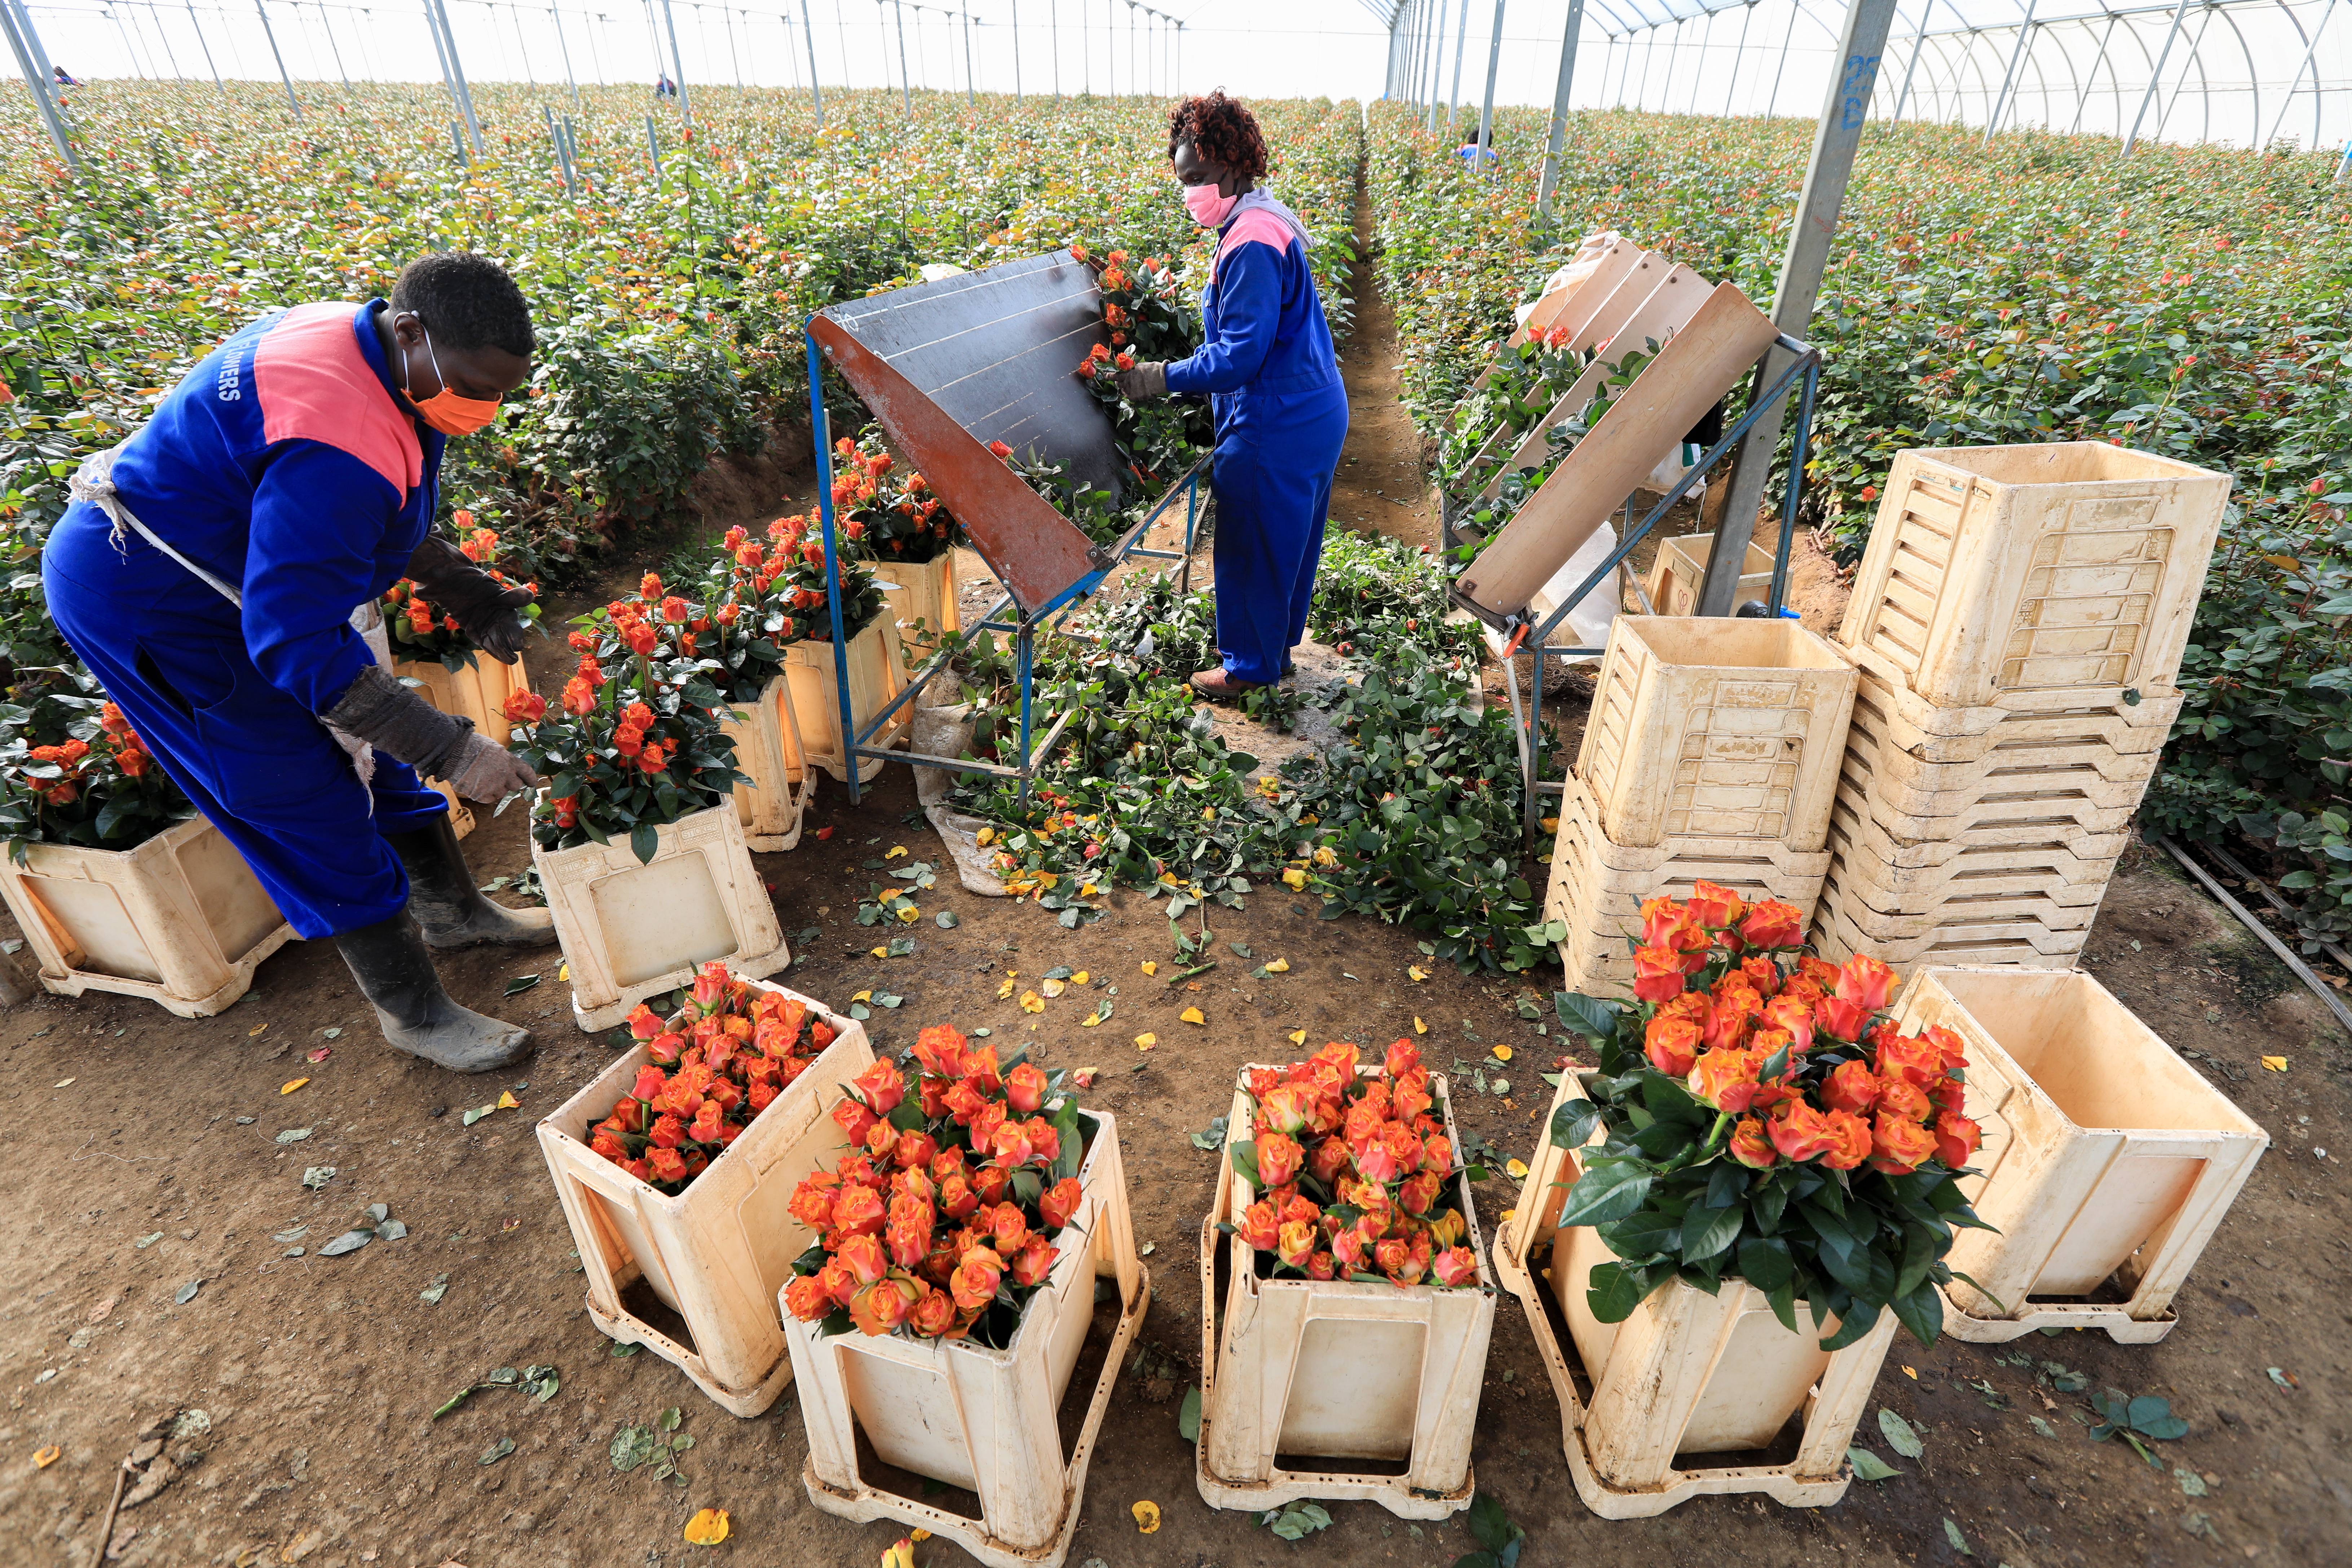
[1222, 131]
[468, 301]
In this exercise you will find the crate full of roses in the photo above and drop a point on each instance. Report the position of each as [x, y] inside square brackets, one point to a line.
[676, 1166]
[1732, 1212]
[961, 1228]
[1345, 1309]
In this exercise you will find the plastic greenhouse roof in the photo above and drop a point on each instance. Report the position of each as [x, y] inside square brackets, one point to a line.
[1622, 16]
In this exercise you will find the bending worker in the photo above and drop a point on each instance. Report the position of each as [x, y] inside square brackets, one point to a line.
[220, 573]
[1274, 383]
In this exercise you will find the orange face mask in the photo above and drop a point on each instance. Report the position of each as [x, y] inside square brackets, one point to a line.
[445, 410]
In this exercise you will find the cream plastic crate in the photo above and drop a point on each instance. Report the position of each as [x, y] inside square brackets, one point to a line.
[2051, 872]
[479, 691]
[1907, 723]
[2019, 766]
[1333, 1370]
[924, 591]
[983, 1420]
[1687, 1375]
[767, 738]
[1595, 879]
[1722, 727]
[1853, 823]
[2035, 813]
[876, 677]
[1681, 567]
[2108, 1161]
[2029, 575]
[1960, 940]
[715, 1254]
[180, 919]
[631, 931]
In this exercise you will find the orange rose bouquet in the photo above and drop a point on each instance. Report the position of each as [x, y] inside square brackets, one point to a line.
[419, 630]
[717, 1062]
[1355, 1173]
[72, 771]
[1765, 1121]
[941, 1219]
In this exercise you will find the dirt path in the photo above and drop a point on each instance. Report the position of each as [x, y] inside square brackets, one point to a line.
[146, 1156]
[1380, 488]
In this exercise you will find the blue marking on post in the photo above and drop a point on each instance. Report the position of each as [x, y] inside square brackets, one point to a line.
[832, 560]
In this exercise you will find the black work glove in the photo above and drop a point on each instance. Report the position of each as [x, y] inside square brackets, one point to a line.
[488, 613]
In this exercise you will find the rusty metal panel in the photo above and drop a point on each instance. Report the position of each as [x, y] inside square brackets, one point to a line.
[949, 366]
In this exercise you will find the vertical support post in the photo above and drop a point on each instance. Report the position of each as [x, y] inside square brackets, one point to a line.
[437, 14]
[1016, 51]
[1738, 56]
[678, 64]
[1919, 42]
[202, 44]
[2155, 77]
[271, 34]
[1494, 63]
[1560, 93]
[970, 92]
[38, 82]
[34, 50]
[1461, 47]
[816, 93]
[1809, 237]
[562, 156]
[565, 45]
[2287, 98]
[2009, 77]
[906, 91]
[1463, 7]
[833, 566]
[2091, 77]
[1053, 38]
[653, 151]
[1781, 71]
[334, 48]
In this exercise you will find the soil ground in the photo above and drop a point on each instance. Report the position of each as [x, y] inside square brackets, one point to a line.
[148, 1158]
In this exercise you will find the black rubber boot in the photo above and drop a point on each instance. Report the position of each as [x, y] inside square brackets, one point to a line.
[447, 902]
[395, 968]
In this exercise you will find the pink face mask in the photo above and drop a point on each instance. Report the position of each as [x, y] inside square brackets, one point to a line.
[1209, 208]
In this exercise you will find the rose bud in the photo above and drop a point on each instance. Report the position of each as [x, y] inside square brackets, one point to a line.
[761, 1096]
[1456, 1268]
[1008, 1228]
[1402, 1058]
[1329, 1158]
[1045, 1141]
[705, 1126]
[1849, 1141]
[1293, 1244]
[855, 1119]
[1024, 1086]
[665, 1165]
[643, 1024]
[882, 1306]
[1419, 1191]
[1060, 1202]
[1284, 1109]
[1773, 923]
[1950, 1044]
[882, 1087]
[1839, 1019]
[812, 1202]
[838, 1281]
[1724, 1079]
[938, 1048]
[1033, 1262]
[957, 1200]
[1713, 906]
[1657, 974]
[1914, 1060]
[1321, 1265]
[1448, 1227]
[913, 1151]
[1390, 1256]
[976, 1278]
[978, 1065]
[1749, 1144]
[863, 1257]
[807, 1299]
[990, 1182]
[651, 1082]
[983, 1125]
[667, 1132]
[857, 1211]
[1347, 1250]
[1278, 1160]
[947, 1163]
[880, 1139]
[607, 1142]
[933, 1313]
[1671, 1044]
[1956, 1138]
[629, 1115]
[909, 1241]
[1900, 1097]
[1259, 1228]
[1343, 1057]
[1898, 1144]
[1865, 982]
[1793, 1017]
[1799, 1133]
[821, 1034]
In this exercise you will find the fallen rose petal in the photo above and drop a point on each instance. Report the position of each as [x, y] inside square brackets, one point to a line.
[706, 1528]
[294, 1085]
[1147, 1517]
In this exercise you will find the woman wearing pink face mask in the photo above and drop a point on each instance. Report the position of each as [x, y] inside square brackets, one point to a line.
[1268, 371]
[219, 573]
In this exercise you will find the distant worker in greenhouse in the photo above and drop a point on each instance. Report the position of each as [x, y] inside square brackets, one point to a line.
[1271, 376]
[221, 573]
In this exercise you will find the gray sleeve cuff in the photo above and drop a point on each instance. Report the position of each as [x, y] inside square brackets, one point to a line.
[397, 722]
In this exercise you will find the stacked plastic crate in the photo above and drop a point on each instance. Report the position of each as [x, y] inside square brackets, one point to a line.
[1711, 753]
[2017, 622]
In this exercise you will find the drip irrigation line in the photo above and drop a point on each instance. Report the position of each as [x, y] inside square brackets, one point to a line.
[2302, 970]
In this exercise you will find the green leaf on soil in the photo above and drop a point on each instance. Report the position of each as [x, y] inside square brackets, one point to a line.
[433, 1293]
[1899, 1434]
[1959, 1542]
[521, 983]
[1188, 1416]
[497, 1451]
[1869, 1467]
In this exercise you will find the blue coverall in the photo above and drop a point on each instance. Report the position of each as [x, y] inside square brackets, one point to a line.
[282, 464]
[1281, 412]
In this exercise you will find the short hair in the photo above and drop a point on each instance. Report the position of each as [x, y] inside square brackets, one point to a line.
[1220, 130]
[467, 302]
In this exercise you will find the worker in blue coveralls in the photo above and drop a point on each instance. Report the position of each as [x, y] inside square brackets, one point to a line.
[220, 573]
[1272, 381]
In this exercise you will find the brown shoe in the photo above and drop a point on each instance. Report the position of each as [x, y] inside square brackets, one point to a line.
[1218, 687]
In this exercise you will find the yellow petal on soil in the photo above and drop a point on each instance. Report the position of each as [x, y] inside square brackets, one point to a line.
[984, 837]
[1004, 990]
[507, 1101]
[1032, 1003]
[1146, 1515]
[1295, 878]
[1299, 1037]
[868, 995]
[919, 1535]
[564, 971]
[1516, 1169]
[1417, 971]
[908, 914]
[1079, 978]
[1502, 1053]
[879, 951]
[1087, 890]
[1149, 967]
[255, 1030]
[1912, 1372]
[1419, 1027]
[894, 852]
[2276, 1064]
[706, 1528]
[1145, 1041]
[1279, 966]
[1055, 987]
[296, 1083]
[901, 1553]
[1506, 1216]
[1193, 1016]
[1090, 1020]
[44, 1458]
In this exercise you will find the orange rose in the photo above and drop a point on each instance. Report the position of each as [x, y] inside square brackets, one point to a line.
[1910, 1059]
[807, 1299]
[1799, 1133]
[1278, 1160]
[1714, 906]
[1898, 1144]
[1849, 1141]
[1794, 1016]
[1662, 921]
[1657, 974]
[1750, 1145]
[976, 1278]
[882, 1306]
[1060, 1202]
[1865, 982]
[1956, 1138]
[1850, 1087]
[1902, 1097]
[1670, 1045]
[1773, 923]
[1259, 1228]
[1025, 1086]
[1724, 1079]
